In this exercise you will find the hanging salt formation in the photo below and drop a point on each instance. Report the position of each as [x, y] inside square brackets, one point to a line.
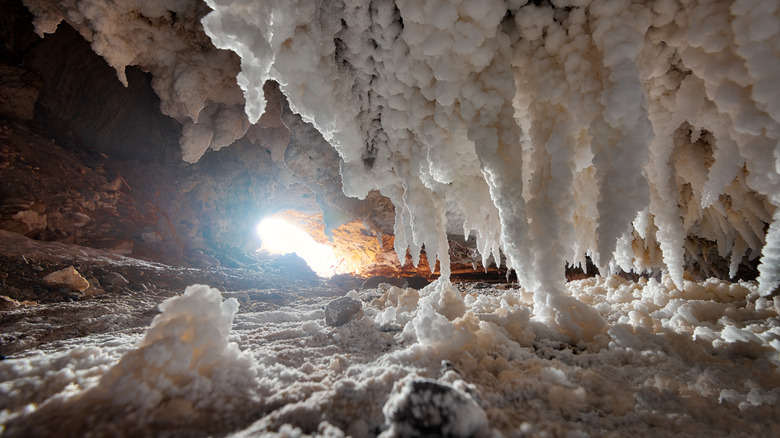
[555, 131]
[194, 81]
[621, 130]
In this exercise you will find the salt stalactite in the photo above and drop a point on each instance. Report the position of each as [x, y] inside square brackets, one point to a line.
[732, 49]
[195, 81]
[572, 116]
[621, 130]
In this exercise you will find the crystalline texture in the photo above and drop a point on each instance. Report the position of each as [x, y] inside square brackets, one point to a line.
[554, 126]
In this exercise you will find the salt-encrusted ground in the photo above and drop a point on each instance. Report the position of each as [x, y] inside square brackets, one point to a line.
[463, 359]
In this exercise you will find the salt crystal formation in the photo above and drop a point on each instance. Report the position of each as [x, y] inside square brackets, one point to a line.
[429, 408]
[195, 81]
[702, 360]
[184, 357]
[620, 126]
[622, 130]
[184, 371]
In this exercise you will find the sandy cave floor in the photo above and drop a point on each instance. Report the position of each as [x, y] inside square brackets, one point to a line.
[467, 359]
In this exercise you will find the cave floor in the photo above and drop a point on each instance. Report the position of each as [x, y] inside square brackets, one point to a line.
[124, 292]
[467, 359]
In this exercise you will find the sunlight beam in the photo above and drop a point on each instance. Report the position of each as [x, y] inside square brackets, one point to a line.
[281, 237]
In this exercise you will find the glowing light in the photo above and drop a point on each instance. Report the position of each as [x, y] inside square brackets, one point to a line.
[281, 237]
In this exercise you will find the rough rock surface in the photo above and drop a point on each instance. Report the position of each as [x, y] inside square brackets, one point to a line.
[425, 407]
[19, 89]
[69, 277]
[8, 303]
[341, 310]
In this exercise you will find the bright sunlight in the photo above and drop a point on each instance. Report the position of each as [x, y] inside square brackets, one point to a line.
[281, 237]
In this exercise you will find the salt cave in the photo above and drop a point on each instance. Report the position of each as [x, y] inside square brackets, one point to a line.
[549, 218]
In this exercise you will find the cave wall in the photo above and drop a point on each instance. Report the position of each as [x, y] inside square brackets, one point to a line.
[76, 96]
[82, 99]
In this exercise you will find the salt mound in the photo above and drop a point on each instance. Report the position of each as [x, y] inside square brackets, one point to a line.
[185, 358]
[184, 375]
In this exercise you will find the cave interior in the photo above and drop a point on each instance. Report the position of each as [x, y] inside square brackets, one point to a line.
[137, 297]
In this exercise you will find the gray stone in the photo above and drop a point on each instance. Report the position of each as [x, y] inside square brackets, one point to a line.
[341, 310]
[114, 279]
[426, 407]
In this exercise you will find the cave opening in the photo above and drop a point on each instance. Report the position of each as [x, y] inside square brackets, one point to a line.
[279, 236]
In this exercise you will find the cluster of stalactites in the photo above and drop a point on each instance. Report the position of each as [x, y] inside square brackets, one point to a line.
[555, 130]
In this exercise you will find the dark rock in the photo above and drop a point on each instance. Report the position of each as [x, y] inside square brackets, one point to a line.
[426, 407]
[81, 95]
[390, 327]
[114, 279]
[19, 90]
[341, 310]
[346, 282]
[73, 296]
[94, 287]
[375, 281]
[417, 282]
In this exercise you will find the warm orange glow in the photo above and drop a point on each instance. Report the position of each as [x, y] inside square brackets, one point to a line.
[351, 249]
[281, 237]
